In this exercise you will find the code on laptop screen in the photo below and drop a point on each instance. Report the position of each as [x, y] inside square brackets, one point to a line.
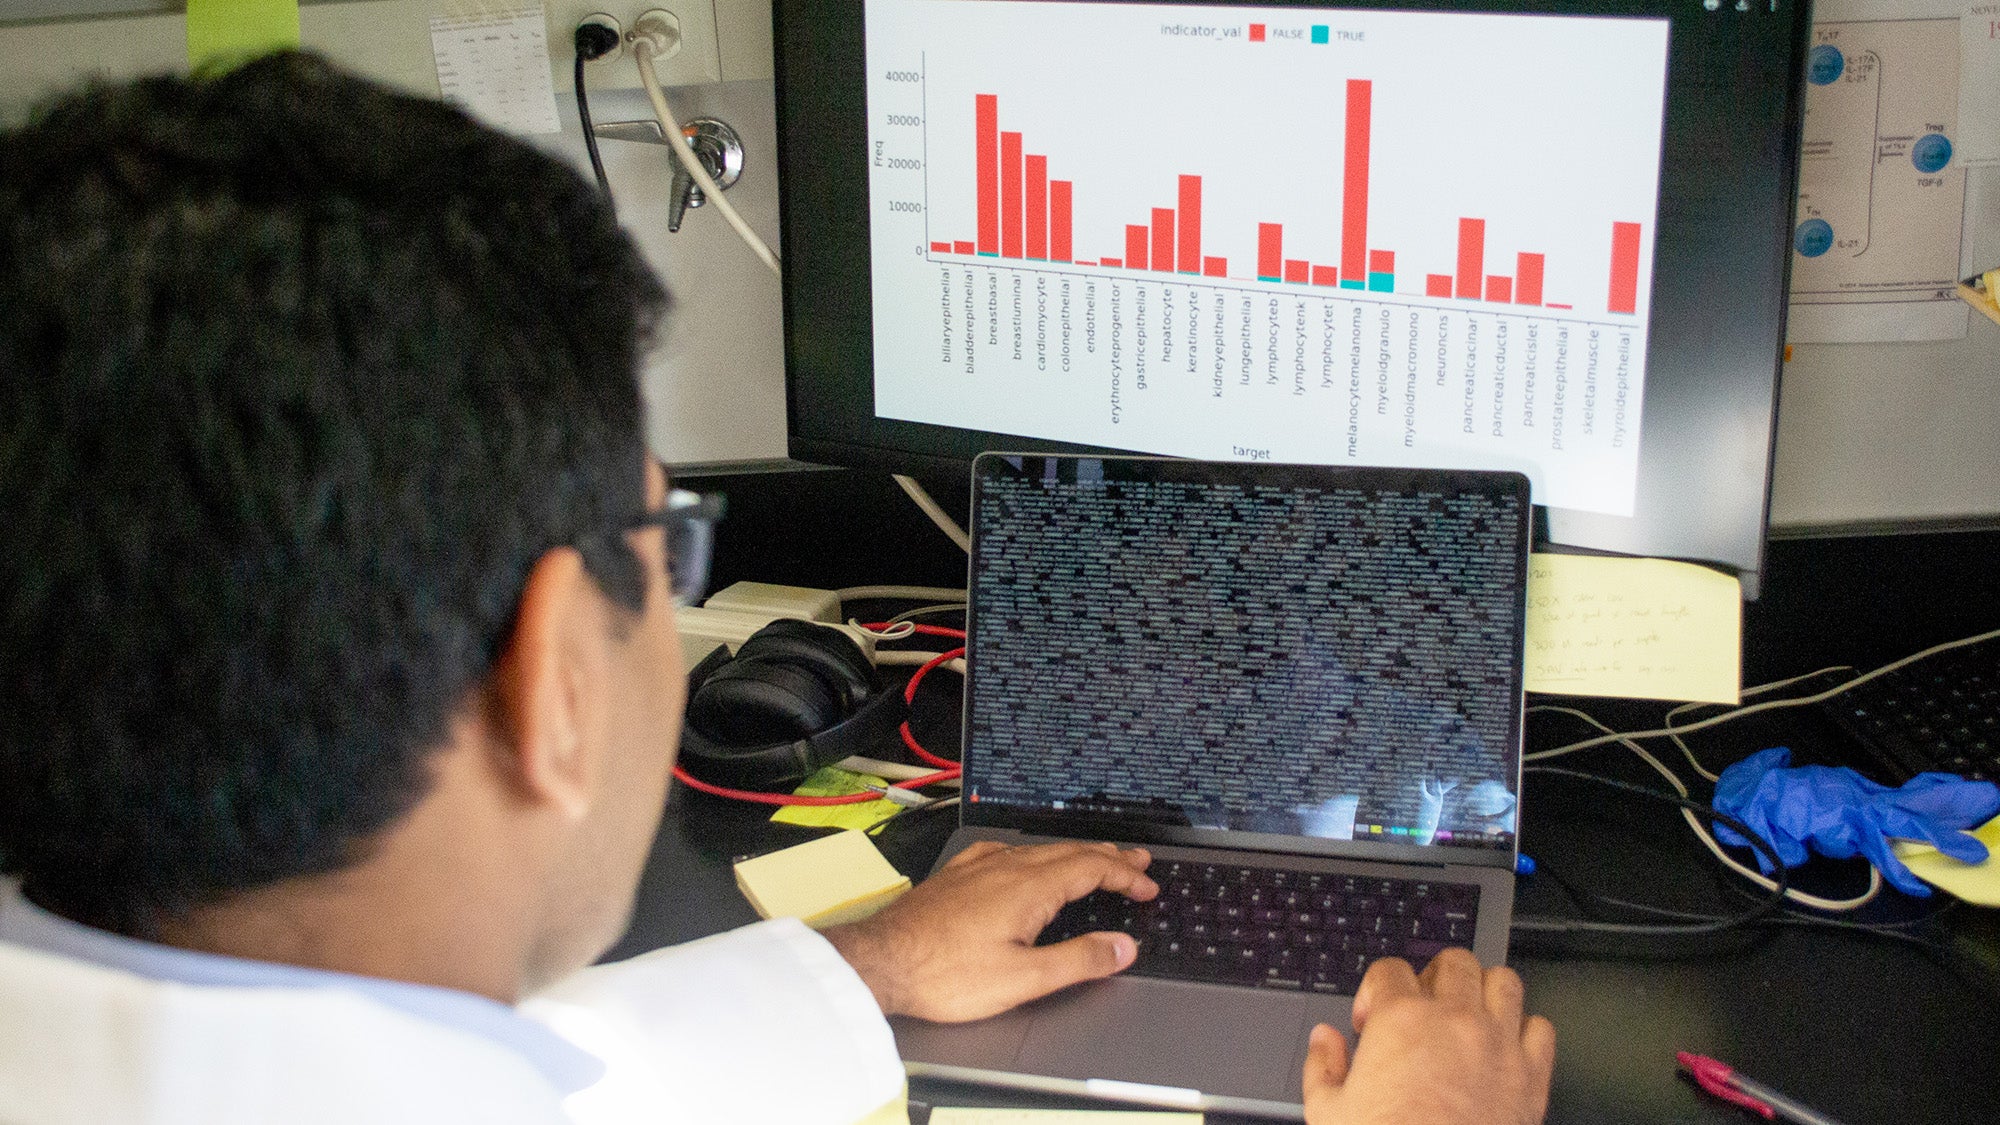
[1299, 651]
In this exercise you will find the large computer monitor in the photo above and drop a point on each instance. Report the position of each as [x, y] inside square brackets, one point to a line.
[1543, 235]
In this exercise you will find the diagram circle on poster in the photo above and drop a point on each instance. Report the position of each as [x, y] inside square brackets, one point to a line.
[1824, 65]
[1813, 237]
[1931, 153]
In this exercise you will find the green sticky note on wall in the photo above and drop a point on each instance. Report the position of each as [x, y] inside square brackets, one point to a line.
[223, 33]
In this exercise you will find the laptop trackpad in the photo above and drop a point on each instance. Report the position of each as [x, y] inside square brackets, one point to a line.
[1230, 1041]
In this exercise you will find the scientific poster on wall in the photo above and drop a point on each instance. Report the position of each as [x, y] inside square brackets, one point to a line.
[1876, 242]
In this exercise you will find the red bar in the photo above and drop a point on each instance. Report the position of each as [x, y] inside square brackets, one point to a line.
[1381, 261]
[1111, 262]
[1215, 267]
[1553, 305]
[1190, 219]
[1624, 267]
[1089, 263]
[1325, 275]
[1296, 270]
[1163, 239]
[1471, 256]
[1354, 200]
[1437, 285]
[940, 247]
[1135, 246]
[986, 160]
[1499, 288]
[1528, 271]
[1270, 250]
[1038, 207]
[1010, 195]
[963, 248]
[1256, 33]
[1059, 246]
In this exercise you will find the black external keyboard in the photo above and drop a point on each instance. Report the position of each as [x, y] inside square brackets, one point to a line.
[1268, 928]
[1940, 714]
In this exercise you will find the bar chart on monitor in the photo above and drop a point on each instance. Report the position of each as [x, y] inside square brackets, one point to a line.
[1284, 233]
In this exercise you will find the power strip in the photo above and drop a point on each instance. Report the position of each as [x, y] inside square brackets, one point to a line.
[734, 613]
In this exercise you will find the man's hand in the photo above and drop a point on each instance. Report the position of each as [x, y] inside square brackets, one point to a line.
[1447, 1048]
[961, 944]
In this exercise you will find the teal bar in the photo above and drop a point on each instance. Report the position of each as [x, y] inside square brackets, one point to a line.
[1382, 283]
[988, 254]
[1346, 284]
[1261, 277]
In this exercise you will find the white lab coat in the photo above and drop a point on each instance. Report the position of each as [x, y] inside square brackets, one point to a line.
[765, 1024]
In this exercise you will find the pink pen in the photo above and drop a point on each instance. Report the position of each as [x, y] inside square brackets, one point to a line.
[1723, 1081]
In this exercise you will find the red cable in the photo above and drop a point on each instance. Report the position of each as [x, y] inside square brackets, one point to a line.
[947, 769]
[684, 778]
[926, 630]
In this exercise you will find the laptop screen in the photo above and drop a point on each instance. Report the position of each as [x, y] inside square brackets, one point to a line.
[1169, 650]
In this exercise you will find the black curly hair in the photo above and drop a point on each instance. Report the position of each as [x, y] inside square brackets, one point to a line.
[298, 377]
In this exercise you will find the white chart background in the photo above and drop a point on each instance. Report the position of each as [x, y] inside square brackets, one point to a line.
[1547, 128]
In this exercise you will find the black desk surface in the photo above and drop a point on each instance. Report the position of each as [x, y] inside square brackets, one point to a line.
[1865, 1028]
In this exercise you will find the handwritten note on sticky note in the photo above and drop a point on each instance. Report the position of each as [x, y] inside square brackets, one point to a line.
[963, 1115]
[832, 781]
[1633, 628]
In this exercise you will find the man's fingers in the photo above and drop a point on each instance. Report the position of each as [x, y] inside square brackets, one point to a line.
[1455, 977]
[1389, 978]
[1506, 997]
[1326, 1063]
[976, 851]
[1538, 1042]
[1083, 958]
[1082, 872]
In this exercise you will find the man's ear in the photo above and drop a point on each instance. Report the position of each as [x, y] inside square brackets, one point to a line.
[541, 685]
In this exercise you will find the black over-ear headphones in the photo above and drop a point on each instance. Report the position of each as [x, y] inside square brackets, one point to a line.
[796, 696]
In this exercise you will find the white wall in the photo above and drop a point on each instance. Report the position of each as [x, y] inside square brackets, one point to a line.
[1865, 432]
[715, 383]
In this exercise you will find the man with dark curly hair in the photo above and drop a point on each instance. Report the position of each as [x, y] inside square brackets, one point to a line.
[339, 681]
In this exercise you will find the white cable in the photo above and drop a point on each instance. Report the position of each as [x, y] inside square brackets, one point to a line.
[894, 771]
[1769, 705]
[910, 593]
[937, 513]
[905, 657]
[642, 53]
[1746, 693]
[1702, 833]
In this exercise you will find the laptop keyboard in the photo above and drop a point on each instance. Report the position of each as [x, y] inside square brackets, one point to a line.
[1269, 928]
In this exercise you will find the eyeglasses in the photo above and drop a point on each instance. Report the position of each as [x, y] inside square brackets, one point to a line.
[689, 520]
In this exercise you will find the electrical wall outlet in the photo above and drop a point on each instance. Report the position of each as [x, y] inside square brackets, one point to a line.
[698, 60]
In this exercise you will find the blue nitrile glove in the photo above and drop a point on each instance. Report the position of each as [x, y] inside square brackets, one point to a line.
[1840, 813]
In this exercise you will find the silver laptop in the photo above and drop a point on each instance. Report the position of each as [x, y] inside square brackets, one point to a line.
[1300, 688]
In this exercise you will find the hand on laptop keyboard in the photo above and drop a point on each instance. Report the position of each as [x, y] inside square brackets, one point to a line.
[961, 944]
[1449, 1047]
[1271, 928]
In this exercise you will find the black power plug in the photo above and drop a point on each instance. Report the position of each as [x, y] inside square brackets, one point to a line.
[595, 40]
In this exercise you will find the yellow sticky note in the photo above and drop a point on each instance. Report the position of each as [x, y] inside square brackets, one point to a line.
[895, 1112]
[1633, 628]
[1974, 882]
[227, 32]
[832, 781]
[963, 1115]
[824, 882]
